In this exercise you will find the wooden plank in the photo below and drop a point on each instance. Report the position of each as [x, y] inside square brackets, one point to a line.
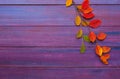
[54, 15]
[64, 73]
[56, 1]
[55, 57]
[53, 36]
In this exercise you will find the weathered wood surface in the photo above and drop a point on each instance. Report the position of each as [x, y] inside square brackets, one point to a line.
[61, 73]
[38, 41]
[54, 15]
[56, 1]
[53, 36]
[55, 57]
[38, 73]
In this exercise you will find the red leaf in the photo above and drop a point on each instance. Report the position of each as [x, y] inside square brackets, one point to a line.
[95, 23]
[92, 37]
[88, 15]
[85, 4]
[101, 36]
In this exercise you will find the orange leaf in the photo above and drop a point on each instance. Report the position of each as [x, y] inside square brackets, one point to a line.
[79, 7]
[101, 36]
[106, 49]
[88, 10]
[68, 3]
[92, 36]
[95, 23]
[88, 15]
[98, 50]
[105, 58]
[85, 4]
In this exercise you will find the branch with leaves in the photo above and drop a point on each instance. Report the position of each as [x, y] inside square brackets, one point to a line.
[84, 16]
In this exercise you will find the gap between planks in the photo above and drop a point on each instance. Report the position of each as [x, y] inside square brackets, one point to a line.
[51, 47]
[46, 4]
[69, 26]
[59, 67]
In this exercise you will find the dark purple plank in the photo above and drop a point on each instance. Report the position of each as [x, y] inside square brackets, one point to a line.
[54, 57]
[62, 73]
[53, 36]
[54, 15]
[56, 1]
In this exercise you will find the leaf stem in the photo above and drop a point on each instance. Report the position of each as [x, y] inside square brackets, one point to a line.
[78, 13]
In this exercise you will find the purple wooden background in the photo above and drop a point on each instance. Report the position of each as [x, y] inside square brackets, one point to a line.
[56, 1]
[38, 41]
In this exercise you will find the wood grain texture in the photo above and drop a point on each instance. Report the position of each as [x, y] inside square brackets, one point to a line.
[56, 1]
[58, 57]
[53, 36]
[54, 15]
[63, 73]
[38, 41]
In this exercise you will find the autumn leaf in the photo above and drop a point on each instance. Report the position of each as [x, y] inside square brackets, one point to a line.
[68, 3]
[77, 20]
[98, 50]
[101, 36]
[86, 38]
[88, 10]
[95, 23]
[105, 58]
[88, 15]
[106, 49]
[79, 34]
[92, 36]
[85, 4]
[82, 48]
[85, 23]
[79, 7]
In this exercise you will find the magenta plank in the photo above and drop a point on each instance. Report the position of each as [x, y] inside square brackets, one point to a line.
[54, 57]
[54, 15]
[62, 73]
[53, 36]
[56, 1]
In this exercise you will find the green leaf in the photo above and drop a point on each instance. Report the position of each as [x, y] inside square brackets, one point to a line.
[86, 38]
[82, 48]
[79, 34]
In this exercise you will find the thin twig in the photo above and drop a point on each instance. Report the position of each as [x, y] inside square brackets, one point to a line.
[78, 13]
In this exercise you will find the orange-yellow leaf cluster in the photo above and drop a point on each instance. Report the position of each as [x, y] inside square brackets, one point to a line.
[103, 53]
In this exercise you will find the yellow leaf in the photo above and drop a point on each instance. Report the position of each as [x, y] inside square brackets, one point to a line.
[77, 20]
[79, 34]
[68, 3]
[85, 23]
